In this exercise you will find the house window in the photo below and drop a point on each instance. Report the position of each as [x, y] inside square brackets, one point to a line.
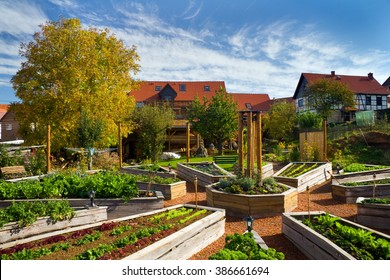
[248, 106]
[182, 87]
[157, 88]
[206, 88]
[368, 99]
[8, 126]
[379, 101]
[139, 104]
[300, 103]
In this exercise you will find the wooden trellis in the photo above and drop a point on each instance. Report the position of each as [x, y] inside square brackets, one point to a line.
[251, 120]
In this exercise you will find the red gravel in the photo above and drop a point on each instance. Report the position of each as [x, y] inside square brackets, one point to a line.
[270, 228]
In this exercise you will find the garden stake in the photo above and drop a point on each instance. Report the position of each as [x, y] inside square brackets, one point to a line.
[308, 201]
[196, 191]
[373, 186]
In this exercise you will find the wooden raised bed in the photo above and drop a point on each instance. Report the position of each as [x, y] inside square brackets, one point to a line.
[267, 170]
[373, 215]
[169, 191]
[136, 170]
[349, 194]
[12, 231]
[116, 207]
[261, 205]
[316, 176]
[312, 244]
[186, 242]
[382, 173]
[180, 245]
[185, 172]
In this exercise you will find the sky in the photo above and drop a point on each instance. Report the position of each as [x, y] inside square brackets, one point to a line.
[255, 46]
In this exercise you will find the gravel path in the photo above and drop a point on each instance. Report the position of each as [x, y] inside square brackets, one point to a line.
[270, 228]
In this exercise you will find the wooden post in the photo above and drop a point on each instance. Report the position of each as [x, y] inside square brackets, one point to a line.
[48, 163]
[120, 144]
[188, 142]
[308, 201]
[259, 145]
[240, 141]
[325, 156]
[196, 191]
[249, 160]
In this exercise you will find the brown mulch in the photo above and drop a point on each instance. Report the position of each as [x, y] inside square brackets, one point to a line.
[270, 228]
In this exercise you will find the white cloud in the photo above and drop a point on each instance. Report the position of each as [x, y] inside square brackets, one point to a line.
[251, 59]
[69, 4]
[20, 17]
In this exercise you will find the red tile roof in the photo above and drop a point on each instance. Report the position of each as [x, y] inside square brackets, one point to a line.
[257, 101]
[3, 110]
[358, 84]
[148, 92]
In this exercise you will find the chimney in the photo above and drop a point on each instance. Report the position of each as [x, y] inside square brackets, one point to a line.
[370, 76]
[333, 73]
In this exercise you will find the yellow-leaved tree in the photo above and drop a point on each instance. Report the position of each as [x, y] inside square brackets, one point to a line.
[68, 70]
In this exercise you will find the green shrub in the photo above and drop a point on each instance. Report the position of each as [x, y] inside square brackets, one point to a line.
[244, 247]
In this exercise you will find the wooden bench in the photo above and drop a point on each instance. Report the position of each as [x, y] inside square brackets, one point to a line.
[227, 159]
[12, 172]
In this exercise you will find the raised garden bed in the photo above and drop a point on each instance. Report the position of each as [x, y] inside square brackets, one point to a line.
[141, 170]
[366, 173]
[255, 205]
[13, 231]
[207, 173]
[169, 191]
[116, 207]
[302, 175]
[372, 213]
[173, 233]
[349, 194]
[315, 246]
[267, 170]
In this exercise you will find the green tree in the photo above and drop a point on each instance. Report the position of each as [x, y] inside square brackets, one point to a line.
[325, 96]
[280, 120]
[89, 132]
[152, 123]
[215, 119]
[69, 69]
[309, 120]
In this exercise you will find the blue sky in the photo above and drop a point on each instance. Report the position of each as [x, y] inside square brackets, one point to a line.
[255, 46]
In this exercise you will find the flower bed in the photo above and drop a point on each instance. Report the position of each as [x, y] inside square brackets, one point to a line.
[345, 240]
[13, 231]
[255, 204]
[304, 174]
[173, 233]
[206, 172]
[374, 212]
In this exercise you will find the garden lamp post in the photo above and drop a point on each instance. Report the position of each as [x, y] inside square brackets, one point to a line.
[92, 194]
[337, 168]
[249, 223]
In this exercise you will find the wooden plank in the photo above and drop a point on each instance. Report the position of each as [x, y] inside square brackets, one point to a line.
[12, 231]
[160, 248]
[310, 242]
